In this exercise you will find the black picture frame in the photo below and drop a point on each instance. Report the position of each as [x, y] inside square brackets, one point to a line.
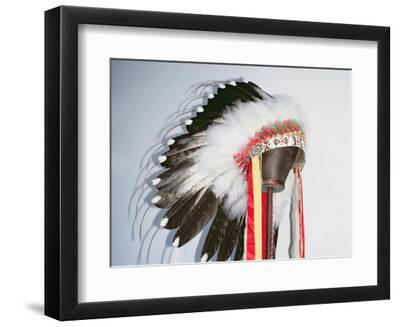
[61, 162]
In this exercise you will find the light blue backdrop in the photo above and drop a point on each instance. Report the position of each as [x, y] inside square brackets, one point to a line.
[145, 93]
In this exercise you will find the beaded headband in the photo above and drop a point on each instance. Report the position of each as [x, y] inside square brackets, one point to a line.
[280, 134]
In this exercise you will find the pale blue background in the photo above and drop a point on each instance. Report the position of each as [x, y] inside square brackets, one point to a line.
[145, 93]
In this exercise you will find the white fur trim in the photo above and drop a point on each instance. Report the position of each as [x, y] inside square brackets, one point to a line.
[155, 181]
[204, 258]
[155, 199]
[162, 158]
[164, 222]
[176, 242]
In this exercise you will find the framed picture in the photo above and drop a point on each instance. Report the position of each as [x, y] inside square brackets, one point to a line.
[200, 163]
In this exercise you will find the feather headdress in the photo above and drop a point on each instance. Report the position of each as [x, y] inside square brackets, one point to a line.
[212, 174]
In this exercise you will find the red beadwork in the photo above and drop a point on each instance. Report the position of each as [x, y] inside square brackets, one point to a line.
[287, 126]
[266, 131]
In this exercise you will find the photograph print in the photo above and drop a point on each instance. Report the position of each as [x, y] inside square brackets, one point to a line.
[215, 162]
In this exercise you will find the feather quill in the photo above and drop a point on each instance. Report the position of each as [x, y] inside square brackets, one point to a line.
[178, 158]
[202, 213]
[215, 234]
[179, 172]
[229, 241]
[240, 243]
[178, 213]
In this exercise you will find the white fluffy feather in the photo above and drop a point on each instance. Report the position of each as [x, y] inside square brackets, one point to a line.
[229, 137]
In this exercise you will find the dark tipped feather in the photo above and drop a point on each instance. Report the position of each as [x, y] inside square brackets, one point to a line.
[171, 193]
[186, 138]
[190, 210]
[237, 94]
[174, 160]
[174, 184]
[229, 241]
[166, 198]
[202, 213]
[251, 89]
[178, 172]
[240, 242]
[199, 124]
[261, 93]
[189, 143]
[215, 234]
[179, 212]
[224, 99]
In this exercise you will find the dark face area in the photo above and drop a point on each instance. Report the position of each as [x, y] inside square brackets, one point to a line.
[276, 165]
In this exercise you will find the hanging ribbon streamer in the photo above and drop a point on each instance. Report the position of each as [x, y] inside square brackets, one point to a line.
[297, 244]
[255, 244]
[257, 208]
[301, 213]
